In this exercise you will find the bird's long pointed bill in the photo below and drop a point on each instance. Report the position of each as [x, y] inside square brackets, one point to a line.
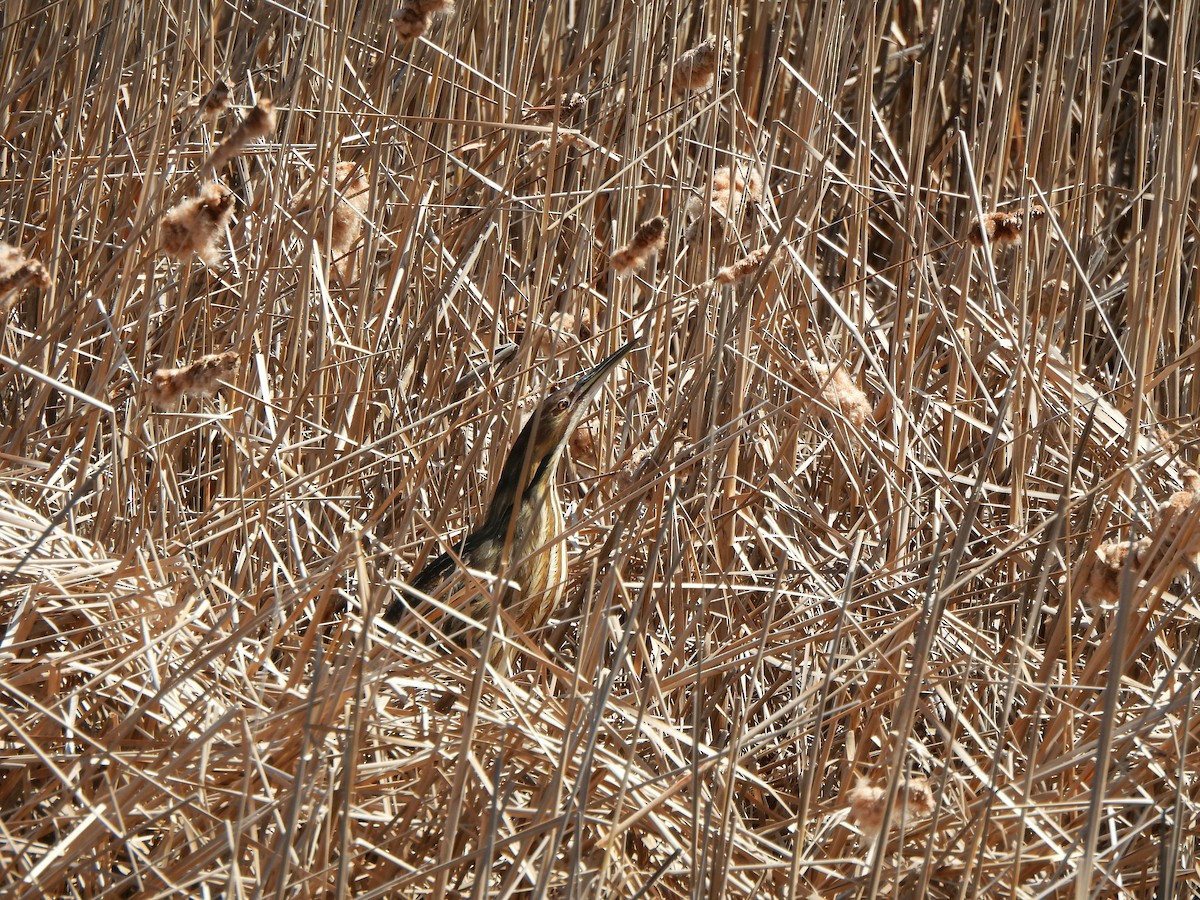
[589, 384]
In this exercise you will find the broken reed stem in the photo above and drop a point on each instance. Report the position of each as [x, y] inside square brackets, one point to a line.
[198, 379]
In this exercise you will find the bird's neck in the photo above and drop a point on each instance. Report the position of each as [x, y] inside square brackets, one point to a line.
[523, 483]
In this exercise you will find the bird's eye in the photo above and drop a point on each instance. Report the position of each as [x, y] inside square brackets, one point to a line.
[564, 403]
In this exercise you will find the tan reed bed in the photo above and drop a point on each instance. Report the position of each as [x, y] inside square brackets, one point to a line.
[833, 626]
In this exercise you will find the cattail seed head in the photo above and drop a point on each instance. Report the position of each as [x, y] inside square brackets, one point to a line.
[732, 190]
[17, 271]
[695, 70]
[259, 122]
[868, 802]
[1165, 555]
[558, 331]
[918, 797]
[583, 445]
[353, 194]
[566, 107]
[1003, 229]
[199, 379]
[1104, 579]
[217, 100]
[562, 139]
[742, 268]
[743, 182]
[195, 225]
[414, 17]
[839, 392]
[650, 237]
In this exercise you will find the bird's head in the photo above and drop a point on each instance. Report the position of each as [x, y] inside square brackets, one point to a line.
[540, 444]
[565, 407]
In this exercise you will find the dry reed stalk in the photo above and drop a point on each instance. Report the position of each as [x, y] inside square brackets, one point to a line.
[259, 122]
[743, 593]
[648, 240]
[17, 271]
[196, 225]
[1003, 228]
[197, 379]
[414, 17]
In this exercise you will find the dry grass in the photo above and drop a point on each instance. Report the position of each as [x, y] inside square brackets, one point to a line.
[772, 601]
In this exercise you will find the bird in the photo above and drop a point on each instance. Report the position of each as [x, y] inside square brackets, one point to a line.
[524, 514]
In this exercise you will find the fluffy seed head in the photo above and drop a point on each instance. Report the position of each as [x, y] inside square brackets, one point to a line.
[695, 69]
[567, 106]
[743, 268]
[867, 802]
[732, 189]
[1163, 556]
[414, 17]
[583, 445]
[199, 379]
[1003, 229]
[17, 271]
[650, 237]
[564, 139]
[1104, 579]
[839, 392]
[217, 100]
[259, 122]
[558, 331]
[195, 225]
[744, 181]
[354, 192]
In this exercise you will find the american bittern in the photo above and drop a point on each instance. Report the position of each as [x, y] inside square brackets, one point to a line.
[524, 514]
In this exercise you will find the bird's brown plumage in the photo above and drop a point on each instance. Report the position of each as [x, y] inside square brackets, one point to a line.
[524, 516]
